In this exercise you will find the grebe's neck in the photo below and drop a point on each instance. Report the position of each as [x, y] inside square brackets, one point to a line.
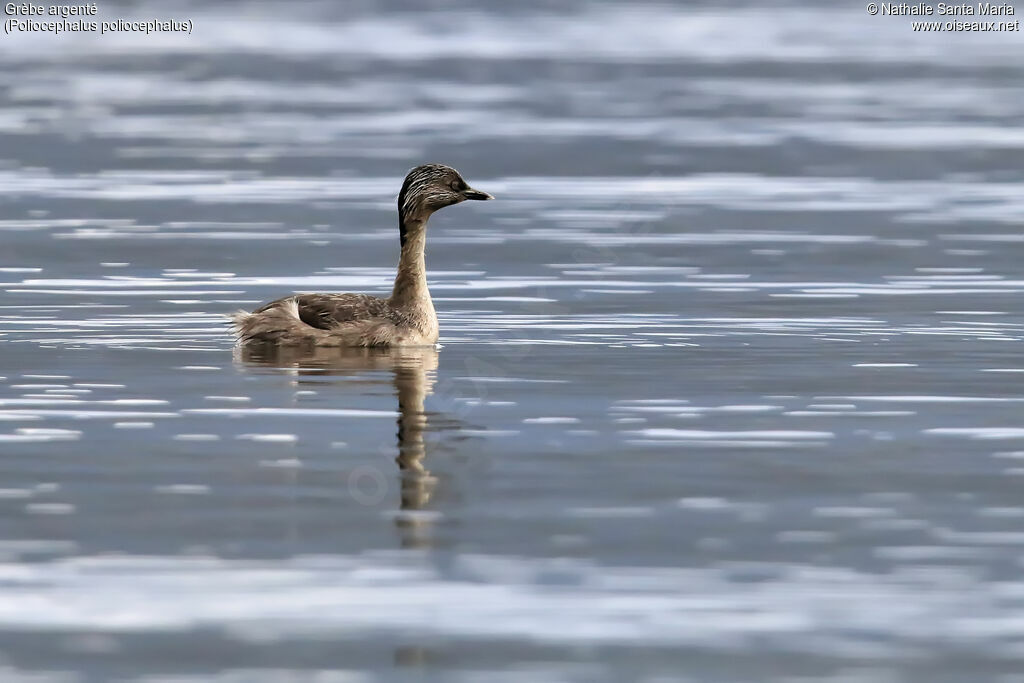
[411, 282]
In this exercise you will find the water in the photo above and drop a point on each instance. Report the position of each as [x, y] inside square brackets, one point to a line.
[730, 378]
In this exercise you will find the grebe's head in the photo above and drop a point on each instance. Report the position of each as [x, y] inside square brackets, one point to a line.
[431, 187]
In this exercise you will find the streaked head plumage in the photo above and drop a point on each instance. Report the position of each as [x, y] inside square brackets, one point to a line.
[430, 187]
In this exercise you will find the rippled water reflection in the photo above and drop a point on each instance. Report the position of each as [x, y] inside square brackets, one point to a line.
[729, 386]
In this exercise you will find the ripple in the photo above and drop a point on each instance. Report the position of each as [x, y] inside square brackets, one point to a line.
[290, 412]
[43, 435]
[644, 33]
[800, 609]
[979, 432]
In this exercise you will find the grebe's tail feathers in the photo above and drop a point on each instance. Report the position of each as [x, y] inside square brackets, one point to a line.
[273, 324]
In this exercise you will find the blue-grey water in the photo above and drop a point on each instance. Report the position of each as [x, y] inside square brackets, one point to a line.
[730, 378]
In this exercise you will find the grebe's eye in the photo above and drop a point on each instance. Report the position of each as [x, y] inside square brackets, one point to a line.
[457, 185]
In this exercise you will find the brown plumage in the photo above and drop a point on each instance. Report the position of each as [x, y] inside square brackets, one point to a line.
[406, 318]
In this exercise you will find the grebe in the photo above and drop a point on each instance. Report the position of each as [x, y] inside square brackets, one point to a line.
[406, 318]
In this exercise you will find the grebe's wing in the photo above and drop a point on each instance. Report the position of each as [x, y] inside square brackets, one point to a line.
[325, 311]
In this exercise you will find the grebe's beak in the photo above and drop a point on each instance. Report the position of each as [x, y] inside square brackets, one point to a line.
[470, 193]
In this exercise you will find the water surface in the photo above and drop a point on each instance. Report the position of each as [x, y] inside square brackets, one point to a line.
[729, 385]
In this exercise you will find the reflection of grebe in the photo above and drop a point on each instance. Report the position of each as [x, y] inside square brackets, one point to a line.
[407, 318]
[414, 373]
